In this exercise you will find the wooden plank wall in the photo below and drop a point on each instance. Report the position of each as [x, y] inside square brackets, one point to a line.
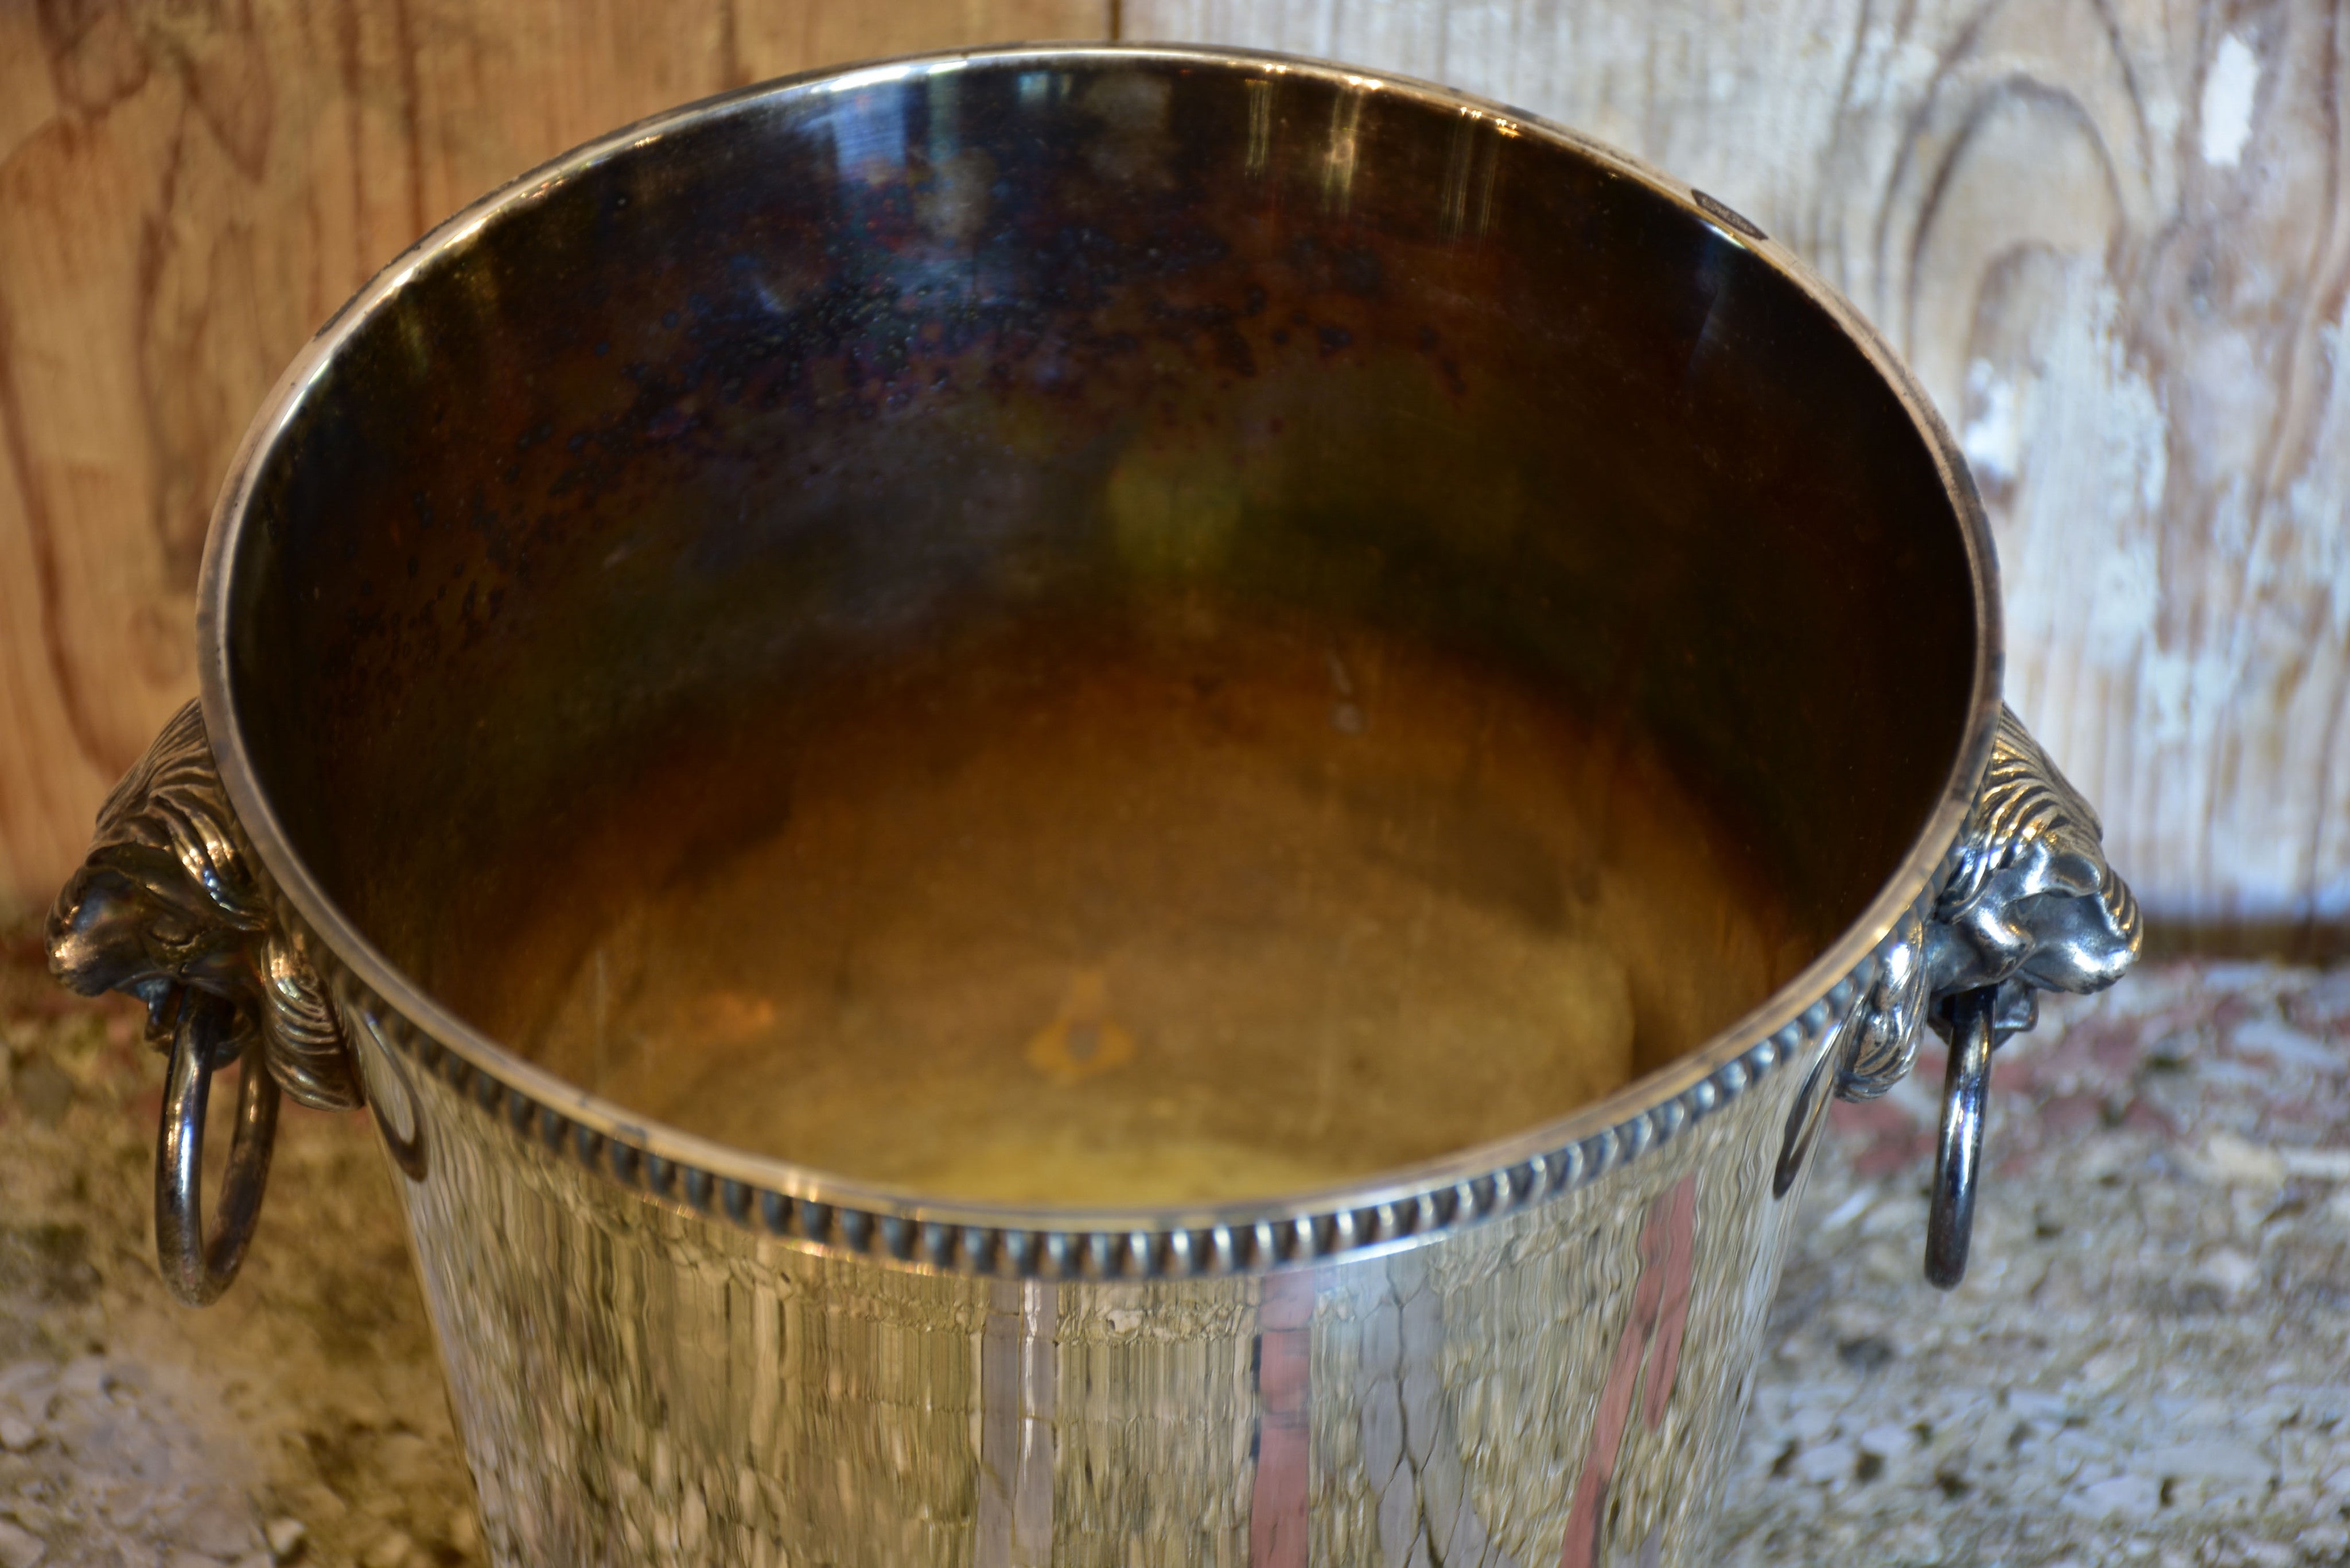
[2111, 234]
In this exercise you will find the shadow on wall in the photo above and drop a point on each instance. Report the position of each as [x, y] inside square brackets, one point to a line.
[2293, 941]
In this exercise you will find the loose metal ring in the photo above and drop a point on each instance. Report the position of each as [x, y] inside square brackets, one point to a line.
[197, 1269]
[1958, 1158]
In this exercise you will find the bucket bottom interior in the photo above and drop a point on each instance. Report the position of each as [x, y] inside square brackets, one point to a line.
[1189, 905]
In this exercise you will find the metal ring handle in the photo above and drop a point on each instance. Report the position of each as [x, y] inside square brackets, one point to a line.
[197, 1268]
[1958, 1156]
[167, 907]
[2026, 903]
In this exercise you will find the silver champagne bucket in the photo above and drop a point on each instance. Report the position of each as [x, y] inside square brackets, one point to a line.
[718, 405]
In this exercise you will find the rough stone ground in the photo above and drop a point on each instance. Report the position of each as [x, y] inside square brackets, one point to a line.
[302, 1416]
[2149, 1365]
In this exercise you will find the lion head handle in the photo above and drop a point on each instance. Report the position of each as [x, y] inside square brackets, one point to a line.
[2026, 903]
[165, 905]
[2029, 903]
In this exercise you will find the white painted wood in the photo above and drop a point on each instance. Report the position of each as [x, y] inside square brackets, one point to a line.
[2113, 240]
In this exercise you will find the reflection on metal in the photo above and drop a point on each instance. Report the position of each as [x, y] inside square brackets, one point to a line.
[662, 1350]
[1728, 215]
[165, 908]
[1343, 145]
[391, 1097]
[1259, 127]
[2027, 904]
[1647, 1358]
[742, 1397]
[1806, 1118]
[198, 1268]
[1957, 1147]
[1880, 1042]
[1017, 1373]
[1279, 1516]
[1470, 163]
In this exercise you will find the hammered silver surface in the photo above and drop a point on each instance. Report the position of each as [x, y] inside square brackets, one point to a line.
[2158, 1311]
[639, 1382]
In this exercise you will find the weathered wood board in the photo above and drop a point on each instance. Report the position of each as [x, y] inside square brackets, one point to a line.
[2111, 234]
[2113, 237]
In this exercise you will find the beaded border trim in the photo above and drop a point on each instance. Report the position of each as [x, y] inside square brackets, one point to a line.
[908, 1235]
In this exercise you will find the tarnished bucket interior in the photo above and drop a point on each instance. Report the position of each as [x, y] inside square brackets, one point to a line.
[1104, 631]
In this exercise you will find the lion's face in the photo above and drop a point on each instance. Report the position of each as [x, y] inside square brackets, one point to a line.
[130, 927]
[2085, 930]
[2027, 905]
[2054, 918]
[2029, 901]
[166, 904]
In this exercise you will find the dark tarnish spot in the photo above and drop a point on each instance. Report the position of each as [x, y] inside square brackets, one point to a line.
[1232, 352]
[1360, 272]
[1334, 339]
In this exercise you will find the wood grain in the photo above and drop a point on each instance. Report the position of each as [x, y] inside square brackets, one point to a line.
[2111, 234]
[188, 188]
[2112, 237]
